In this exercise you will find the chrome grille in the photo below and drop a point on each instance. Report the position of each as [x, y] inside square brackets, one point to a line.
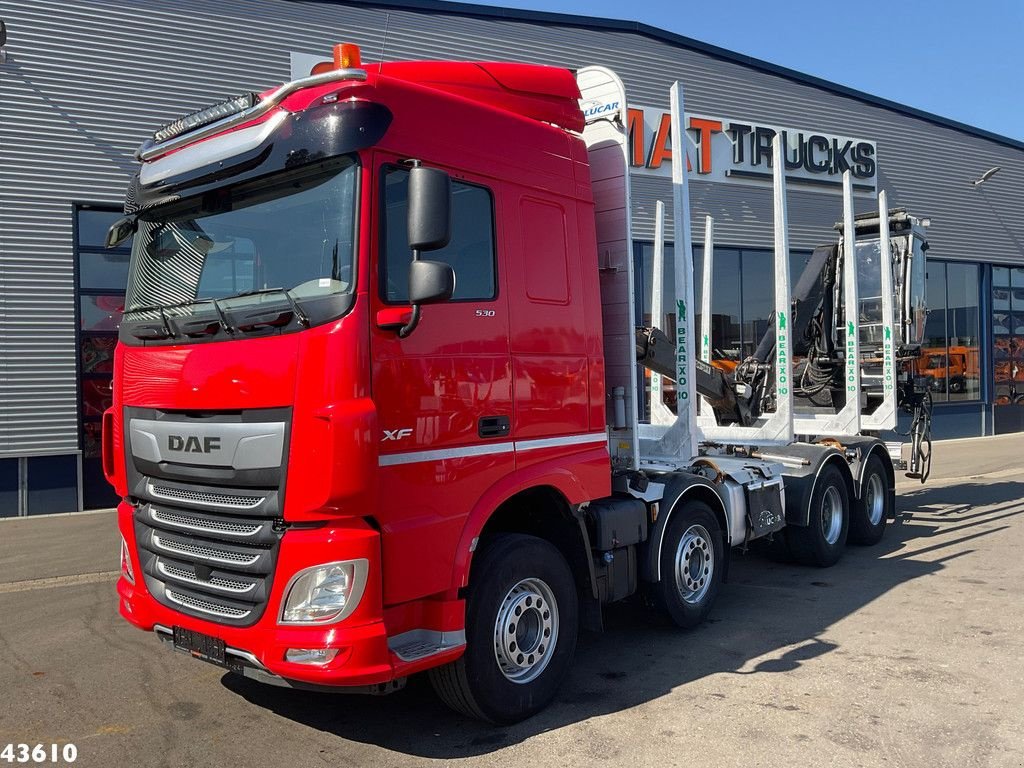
[204, 552]
[216, 582]
[206, 524]
[205, 606]
[204, 497]
[199, 564]
[216, 565]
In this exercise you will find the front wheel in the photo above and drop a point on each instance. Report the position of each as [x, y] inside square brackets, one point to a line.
[821, 542]
[521, 627]
[867, 523]
[692, 563]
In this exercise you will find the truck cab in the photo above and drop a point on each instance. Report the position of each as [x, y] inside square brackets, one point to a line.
[308, 457]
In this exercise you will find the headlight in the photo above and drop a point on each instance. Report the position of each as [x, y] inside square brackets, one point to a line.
[126, 562]
[325, 593]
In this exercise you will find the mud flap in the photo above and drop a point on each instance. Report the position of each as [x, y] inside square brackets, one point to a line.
[764, 509]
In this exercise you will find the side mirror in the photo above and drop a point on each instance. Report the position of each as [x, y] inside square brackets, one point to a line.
[121, 230]
[430, 282]
[430, 208]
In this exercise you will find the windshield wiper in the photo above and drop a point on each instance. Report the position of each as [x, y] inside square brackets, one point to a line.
[161, 307]
[154, 333]
[299, 314]
[169, 326]
[223, 317]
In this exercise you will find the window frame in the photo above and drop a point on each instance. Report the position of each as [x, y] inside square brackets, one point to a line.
[390, 166]
[988, 293]
[642, 280]
[985, 362]
[81, 333]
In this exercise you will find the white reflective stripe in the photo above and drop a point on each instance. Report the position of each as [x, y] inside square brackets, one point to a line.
[553, 442]
[444, 453]
[416, 457]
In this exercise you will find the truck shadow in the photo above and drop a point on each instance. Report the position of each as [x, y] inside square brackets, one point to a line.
[770, 618]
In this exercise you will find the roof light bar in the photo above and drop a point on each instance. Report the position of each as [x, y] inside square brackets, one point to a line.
[200, 129]
[205, 116]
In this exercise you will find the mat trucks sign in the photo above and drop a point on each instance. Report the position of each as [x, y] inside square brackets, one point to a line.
[732, 150]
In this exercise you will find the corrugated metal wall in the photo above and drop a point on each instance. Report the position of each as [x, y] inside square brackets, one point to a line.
[85, 81]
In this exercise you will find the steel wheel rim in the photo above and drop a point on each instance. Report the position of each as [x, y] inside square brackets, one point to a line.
[831, 514]
[874, 499]
[526, 631]
[694, 564]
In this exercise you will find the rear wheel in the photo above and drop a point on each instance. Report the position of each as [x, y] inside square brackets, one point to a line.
[692, 563]
[872, 510]
[821, 542]
[521, 627]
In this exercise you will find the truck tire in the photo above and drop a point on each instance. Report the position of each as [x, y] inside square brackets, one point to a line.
[872, 509]
[821, 542]
[692, 564]
[522, 618]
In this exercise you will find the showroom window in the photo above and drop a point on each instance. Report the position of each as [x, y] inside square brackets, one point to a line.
[743, 288]
[951, 355]
[743, 285]
[101, 279]
[1008, 334]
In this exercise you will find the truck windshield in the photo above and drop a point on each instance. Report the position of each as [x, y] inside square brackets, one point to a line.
[292, 232]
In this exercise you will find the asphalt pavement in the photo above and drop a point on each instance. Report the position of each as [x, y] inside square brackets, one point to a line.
[908, 653]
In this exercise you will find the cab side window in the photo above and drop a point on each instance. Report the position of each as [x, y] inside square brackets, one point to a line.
[470, 252]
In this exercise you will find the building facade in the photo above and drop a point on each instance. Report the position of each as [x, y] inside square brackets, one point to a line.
[83, 82]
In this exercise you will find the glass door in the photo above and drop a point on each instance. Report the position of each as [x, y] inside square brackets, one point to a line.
[1008, 334]
[1008, 348]
[102, 275]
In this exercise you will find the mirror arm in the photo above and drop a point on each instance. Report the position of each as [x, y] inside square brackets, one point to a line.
[409, 327]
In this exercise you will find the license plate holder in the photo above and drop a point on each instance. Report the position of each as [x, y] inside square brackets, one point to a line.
[200, 646]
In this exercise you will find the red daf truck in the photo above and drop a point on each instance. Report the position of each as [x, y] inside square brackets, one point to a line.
[366, 418]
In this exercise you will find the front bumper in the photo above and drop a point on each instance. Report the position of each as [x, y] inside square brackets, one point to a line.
[248, 665]
[363, 657]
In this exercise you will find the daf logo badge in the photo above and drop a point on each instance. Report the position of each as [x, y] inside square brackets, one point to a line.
[192, 444]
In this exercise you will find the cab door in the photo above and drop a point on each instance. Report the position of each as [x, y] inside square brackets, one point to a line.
[444, 393]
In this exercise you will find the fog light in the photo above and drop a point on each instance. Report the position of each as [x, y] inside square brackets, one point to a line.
[324, 593]
[126, 562]
[310, 655]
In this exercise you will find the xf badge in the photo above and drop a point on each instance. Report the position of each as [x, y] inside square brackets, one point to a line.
[396, 434]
